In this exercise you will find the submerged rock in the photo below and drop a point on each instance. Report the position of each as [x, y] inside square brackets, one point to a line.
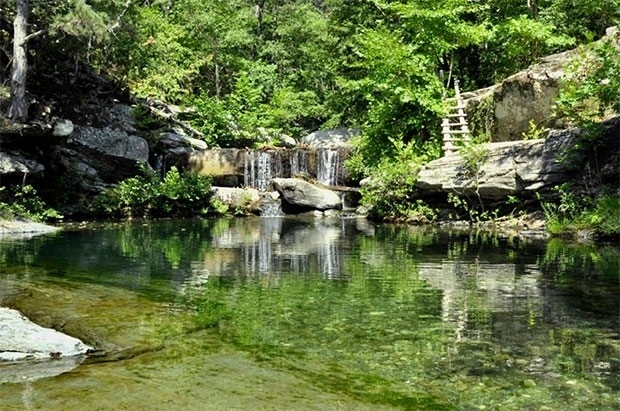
[19, 372]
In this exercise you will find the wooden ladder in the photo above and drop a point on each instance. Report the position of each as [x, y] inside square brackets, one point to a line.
[454, 132]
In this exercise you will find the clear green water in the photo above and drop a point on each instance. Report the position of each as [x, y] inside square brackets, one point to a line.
[294, 314]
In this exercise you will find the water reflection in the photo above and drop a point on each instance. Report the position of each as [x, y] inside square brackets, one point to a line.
[271, 246]
[475, 320]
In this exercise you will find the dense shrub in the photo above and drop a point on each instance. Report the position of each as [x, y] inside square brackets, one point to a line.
[146, 195]
[389, 190]
[22, 201]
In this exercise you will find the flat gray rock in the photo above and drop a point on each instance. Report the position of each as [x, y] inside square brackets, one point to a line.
[11, 229]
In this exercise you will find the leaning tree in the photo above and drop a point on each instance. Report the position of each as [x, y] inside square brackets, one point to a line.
[62, 19]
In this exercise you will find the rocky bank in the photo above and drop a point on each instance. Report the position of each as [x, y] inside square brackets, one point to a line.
[71, 154]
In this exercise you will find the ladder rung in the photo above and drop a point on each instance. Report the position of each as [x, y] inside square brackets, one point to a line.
[456, 132]
[455, 115]
[462, 123]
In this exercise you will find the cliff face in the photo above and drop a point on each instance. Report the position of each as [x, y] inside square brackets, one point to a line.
[505, 110]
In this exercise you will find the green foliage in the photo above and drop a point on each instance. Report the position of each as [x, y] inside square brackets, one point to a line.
[219, 206]
[534, 132]
[177, 194]
[466, 208]
[588, 96]
[212, 118]
[592, 86]
[517, 42]
[391, 187]
[298, 66]
[605, 218]
[574, 211]
[474, 155]
[82, 21]
[22, 201]
[145, 120]
[584, 20]
[398, 94]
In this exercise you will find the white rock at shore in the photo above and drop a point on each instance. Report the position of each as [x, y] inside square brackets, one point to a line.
[13, 229]
[21, 340]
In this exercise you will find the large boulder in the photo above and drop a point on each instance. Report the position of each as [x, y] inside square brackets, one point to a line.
[335, 138]
[120, 117]
[508, 168]
[108, 142]
[304, 195]
[527, 167]
[92, 158]
[504, 111]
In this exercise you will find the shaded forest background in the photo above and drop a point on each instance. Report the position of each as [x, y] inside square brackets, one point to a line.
[241, 69]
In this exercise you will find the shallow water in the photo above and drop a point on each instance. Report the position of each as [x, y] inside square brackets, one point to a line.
[296, 314]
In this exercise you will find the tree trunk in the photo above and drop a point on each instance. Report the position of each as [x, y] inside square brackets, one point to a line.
[19, 107]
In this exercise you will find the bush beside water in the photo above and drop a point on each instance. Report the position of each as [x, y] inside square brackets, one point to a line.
[146, 195]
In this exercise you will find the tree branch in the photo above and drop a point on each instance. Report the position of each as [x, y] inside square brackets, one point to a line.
[117, 22]
[32, 35]
[169, 113]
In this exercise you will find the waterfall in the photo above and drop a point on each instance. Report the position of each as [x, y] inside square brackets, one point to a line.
[261, 166]
[257, 169]
[348, 205]
[299, 162]
[328, 166]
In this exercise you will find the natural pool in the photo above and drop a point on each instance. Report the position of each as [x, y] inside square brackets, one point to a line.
[296, 314]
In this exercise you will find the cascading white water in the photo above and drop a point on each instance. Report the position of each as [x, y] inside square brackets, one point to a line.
[328, 166]
[299, 162]
[348, 205]
[257, 169]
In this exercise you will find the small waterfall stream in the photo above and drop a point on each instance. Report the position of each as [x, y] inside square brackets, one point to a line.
[258, 169]
[299, 162]
[261, 166]
[271, 207]
[328, 166]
